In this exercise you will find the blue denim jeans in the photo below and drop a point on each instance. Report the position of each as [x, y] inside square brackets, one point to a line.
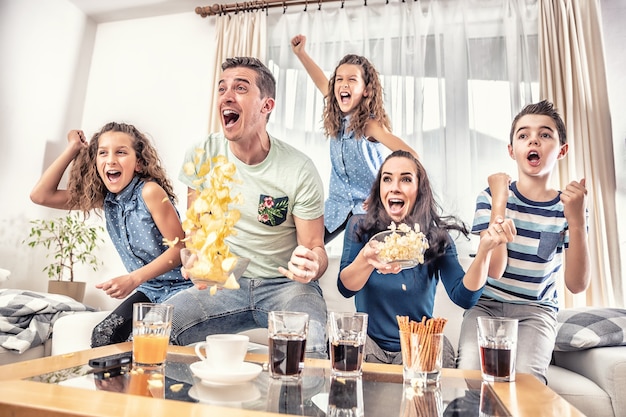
[198, 314]
[535, 338]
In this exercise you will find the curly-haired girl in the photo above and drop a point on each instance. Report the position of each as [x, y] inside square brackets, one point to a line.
[119, 172]
[355, 118]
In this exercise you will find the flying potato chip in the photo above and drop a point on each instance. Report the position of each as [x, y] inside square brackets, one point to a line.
[210, 220]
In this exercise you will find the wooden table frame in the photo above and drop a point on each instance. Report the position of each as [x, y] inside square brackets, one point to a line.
[527, 397]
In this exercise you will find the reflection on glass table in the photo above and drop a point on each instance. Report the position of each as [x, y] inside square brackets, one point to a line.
[316, 393]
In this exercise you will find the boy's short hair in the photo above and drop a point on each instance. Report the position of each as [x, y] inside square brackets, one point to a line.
[265, 79]
[544, 108]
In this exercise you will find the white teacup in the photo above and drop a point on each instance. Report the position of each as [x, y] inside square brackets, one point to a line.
[223, 351]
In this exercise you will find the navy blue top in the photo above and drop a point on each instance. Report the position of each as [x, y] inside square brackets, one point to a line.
[410, 293]
[139, 241]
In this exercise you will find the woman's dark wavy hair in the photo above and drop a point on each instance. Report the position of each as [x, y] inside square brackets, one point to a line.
[86, 188]
[425, 212]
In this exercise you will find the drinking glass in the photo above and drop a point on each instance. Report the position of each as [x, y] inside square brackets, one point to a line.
[152, 324]
[422, 356]
[497, 342]
[347, 333]
[411, 369]
[431, 356]
[287, 342]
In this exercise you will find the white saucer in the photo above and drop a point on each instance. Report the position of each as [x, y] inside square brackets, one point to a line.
[225, 394]
[210, 376]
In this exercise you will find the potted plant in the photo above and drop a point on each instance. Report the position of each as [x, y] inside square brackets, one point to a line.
[70, 241]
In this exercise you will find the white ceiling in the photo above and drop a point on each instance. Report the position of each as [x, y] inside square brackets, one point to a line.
[111, 10]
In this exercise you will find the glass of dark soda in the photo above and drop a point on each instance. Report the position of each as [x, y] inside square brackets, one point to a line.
[497, 342]
[287, 343]
[346, 333]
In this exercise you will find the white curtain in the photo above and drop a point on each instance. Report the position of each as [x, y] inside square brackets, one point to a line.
[573, 77]
[454, 74]
[240, 34]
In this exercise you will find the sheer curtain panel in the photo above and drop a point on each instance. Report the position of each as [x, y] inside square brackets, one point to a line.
[573, 77]
[237, 34]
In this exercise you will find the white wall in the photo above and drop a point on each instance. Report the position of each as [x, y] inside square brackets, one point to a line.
[45, 48]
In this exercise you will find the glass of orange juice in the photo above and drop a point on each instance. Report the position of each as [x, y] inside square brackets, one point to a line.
[152, 324]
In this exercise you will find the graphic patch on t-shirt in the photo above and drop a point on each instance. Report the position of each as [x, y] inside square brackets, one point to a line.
[272, 211]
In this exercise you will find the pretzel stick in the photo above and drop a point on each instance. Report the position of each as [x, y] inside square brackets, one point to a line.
[427, 346]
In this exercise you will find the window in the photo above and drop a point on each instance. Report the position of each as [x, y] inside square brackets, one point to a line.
[452, 77]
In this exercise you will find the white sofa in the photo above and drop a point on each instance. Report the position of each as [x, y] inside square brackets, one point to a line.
[9, 356]
[589, 379]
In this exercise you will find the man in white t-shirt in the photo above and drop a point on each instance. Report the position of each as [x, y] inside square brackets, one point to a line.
[281, 228]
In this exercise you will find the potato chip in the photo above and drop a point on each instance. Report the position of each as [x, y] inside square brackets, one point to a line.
[229, 263]
[210, 220]
[231, 283]
[176, 387]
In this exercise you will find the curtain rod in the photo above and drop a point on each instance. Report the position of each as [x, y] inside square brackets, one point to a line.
[246, 6]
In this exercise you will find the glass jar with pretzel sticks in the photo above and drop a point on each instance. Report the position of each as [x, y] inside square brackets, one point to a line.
[422, 344]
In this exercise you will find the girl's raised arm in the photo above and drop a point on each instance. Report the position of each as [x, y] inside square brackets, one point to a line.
[314, 71]
[377, 131]
[46, 192]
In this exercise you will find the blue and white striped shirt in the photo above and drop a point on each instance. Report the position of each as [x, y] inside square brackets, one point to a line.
[536, 253]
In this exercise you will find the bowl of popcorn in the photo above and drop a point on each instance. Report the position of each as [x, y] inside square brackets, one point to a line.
[401, 245]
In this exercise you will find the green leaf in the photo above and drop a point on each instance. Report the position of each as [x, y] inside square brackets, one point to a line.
[69, 240]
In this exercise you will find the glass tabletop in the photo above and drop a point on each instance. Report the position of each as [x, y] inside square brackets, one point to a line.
[315, 393]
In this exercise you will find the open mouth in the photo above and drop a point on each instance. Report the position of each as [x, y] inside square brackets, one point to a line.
[230, 117]
[345, 97]
[395, 205]
[113, 176]
[533, 158]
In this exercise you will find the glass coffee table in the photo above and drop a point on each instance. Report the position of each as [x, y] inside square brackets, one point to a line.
[68, 386]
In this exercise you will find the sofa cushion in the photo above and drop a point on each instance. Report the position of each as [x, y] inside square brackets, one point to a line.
[72, 333]
[8, 356]
[587, 327]
[579, 391]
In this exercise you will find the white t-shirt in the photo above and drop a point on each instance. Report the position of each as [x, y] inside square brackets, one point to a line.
[284, 185]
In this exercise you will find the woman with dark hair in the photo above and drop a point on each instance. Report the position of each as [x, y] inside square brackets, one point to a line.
[401, 194]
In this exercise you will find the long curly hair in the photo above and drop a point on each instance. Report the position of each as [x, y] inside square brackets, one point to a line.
[370, 108]
[425, 212]
[85, 186]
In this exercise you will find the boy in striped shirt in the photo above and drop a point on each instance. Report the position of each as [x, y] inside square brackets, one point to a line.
[537, 224]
